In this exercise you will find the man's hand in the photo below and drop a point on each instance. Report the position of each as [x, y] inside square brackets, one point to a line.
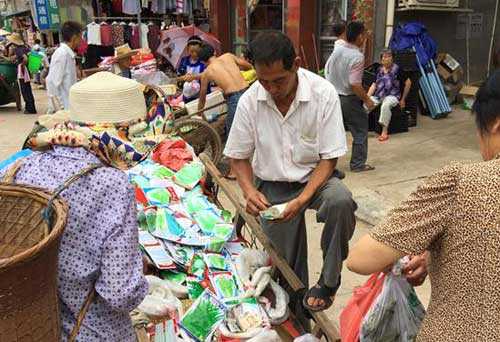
[402, 103]
[189, 77]
[292, 209]
[256, 202]
[416, 270]
[369, 104]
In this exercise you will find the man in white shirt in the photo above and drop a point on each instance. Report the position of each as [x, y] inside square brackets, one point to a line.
[62, 70]
[290, 121]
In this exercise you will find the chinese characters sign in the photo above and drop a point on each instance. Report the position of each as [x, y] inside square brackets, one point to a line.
[47, 13]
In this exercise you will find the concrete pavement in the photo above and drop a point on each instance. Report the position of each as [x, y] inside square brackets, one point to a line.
[401, 164]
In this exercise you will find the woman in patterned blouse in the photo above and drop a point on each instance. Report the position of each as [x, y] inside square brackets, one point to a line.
[455, 215]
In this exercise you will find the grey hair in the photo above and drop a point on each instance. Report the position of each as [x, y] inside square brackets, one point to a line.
[386, 52]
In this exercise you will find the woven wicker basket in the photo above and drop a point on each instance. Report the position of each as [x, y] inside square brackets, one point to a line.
[29, 308]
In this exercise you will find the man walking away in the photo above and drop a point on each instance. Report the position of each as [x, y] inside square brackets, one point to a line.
[62, 70]
[290, 123]
[346, 74]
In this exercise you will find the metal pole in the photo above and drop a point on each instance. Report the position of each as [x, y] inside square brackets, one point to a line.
[139, 23]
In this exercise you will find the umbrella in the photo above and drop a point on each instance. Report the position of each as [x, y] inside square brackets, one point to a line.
[173, 45]
[4, 33]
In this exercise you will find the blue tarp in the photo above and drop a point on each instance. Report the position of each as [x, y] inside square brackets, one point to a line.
[411, 36]
[18, 155]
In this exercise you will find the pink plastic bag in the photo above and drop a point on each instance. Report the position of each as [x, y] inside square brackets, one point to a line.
[358, 306]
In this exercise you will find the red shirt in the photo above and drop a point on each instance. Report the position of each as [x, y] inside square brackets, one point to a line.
[106, 35]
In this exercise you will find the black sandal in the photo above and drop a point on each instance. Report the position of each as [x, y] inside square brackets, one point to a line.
[323, 292]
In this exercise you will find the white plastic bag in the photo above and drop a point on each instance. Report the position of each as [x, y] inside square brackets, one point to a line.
[396, 314]
[307, 338]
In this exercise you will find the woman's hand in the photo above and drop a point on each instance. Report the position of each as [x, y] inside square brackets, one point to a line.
[416, 270]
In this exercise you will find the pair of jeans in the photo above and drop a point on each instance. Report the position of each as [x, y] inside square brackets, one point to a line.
[232, 104]
[28, 97]
[356, 121]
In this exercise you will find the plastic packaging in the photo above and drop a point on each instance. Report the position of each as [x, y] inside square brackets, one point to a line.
[396, 314]
[204, 316]
[225, 285]
[216, 261]
[307, 338]
[352, 315]
[266, 336]
[274, 213]
[190, 175]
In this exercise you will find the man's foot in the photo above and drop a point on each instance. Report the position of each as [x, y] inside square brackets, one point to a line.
[364, 168]
[230, 176]
[383, 137]
[320, 297]
[28, 112]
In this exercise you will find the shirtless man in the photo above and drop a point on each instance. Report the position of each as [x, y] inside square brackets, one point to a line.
[225, 72]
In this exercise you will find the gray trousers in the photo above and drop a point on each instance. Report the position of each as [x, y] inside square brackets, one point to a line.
[356, 120]
[334, 207]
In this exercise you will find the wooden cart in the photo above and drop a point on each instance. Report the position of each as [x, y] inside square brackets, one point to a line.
[253, 232]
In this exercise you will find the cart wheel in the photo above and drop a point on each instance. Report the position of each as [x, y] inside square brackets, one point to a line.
[201, 136]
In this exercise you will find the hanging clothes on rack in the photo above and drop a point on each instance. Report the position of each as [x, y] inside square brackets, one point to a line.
[144, 29]
[127, 33]
[135, 40]
[106, 34]
[117, 6]
[179, 6]
[118, 35]
[132, 7]
[94, 34]
[154, 37]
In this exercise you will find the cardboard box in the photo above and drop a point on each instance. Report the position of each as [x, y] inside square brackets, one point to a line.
[448, 68]
[469, 94]
[469, 91]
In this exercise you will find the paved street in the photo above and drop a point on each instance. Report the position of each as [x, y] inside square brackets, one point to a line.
[402, 163]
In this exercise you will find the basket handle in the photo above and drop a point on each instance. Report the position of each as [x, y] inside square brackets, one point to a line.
[11, 172]
[47, 213]
[81, 315]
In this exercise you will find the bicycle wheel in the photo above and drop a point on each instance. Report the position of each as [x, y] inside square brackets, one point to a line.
[201, 136]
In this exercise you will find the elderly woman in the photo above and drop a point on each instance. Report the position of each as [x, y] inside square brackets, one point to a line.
[455, 215]
[99, 248]
[386, 90]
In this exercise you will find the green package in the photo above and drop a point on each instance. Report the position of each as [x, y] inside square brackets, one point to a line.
[162, 172]
[197, 266]
[215, 245]
[189, 175]
[194, 288]
[176, 277]
[166, 223]
[206, 220]
[150, 214]
[157, 196]
[216, 261]
[204, 316]
[195, 201]
[224, 284]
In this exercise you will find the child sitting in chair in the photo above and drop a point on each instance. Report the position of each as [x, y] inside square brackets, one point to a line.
[387, 91]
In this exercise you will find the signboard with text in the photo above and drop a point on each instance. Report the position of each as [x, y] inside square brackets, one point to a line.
[47, 14]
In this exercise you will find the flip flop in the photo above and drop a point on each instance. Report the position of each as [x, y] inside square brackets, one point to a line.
[383, 138]
[366, 167]
[233, 178]
[320, 291]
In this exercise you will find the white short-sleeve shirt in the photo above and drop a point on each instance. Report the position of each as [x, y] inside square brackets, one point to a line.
[288, 148]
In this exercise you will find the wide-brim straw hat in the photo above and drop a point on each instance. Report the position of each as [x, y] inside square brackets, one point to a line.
[106, 98]
[124, 51]
[15, 38]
